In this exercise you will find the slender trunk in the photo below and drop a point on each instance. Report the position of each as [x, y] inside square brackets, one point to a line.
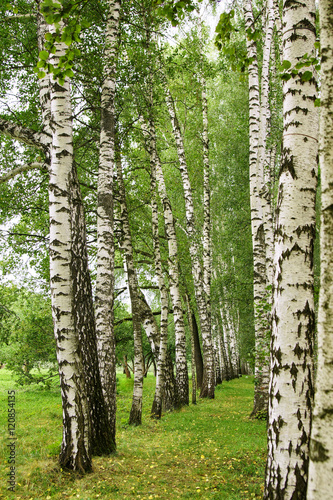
[105, 243]
[193, 369]
[207, 264]
[156, 410]
[208, 385]
[182, 387]
[291, 387]
[231, 341]
[75, 451]
[218, 370]
[258, 118]
[199, 365]
[225, 345]
[126, 369]
[222, 361]
[126, 244]
[321, 446]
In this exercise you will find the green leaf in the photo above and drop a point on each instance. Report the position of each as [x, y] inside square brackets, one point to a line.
[44, 55]
[307, 75]
[285, 77]
[41, 74]
[317, 103]
[286, 64]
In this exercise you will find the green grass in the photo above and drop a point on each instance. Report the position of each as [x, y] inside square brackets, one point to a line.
[211, 450]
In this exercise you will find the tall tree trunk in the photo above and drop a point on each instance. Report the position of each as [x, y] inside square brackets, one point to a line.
[225, 344]
[182, 386]
[102, 430]
[199, 365]
[207, 263]
[105, 242]
[321, 445]
[208, 385]
[76, 444]
[291, 386]
[102, 440]
[193, 367]
[156, 410]
[126, 244]
[258, 122]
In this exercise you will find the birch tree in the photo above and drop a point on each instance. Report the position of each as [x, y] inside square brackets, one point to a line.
[105, 241]
[208, 386]
[126, 244]
[291, 384]
[76, 445]
[321, 444]
[261, 222]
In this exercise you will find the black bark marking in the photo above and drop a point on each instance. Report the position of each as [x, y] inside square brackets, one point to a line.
[318, 453]
[288, 166]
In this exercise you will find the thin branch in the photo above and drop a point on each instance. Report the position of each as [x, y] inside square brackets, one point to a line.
[19, 170]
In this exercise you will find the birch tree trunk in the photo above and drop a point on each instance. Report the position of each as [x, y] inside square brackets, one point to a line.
[208, 385]
[258, 119]
[207, 263]
[102, 433]
[76, 444]
[321, 444]
[156, 410]
[126, 244]
[182, 386]
[105, 242]
[291, 385]
[193, 367]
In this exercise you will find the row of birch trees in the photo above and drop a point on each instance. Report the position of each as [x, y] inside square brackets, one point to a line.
[142, 148]
[114, 155]
[283, 222]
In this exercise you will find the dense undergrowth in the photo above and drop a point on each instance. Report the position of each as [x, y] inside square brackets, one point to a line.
[211, 450]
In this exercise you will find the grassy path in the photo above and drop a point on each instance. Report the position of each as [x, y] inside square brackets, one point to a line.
[210, 451]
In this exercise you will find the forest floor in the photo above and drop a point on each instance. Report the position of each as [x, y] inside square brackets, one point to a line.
[211, 450]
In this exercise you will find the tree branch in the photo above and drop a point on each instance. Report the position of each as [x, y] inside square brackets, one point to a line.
[19, 170]
[23, 134]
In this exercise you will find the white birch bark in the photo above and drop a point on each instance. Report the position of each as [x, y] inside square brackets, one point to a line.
[156, 411]
[75, 450]
[126, 245]
[263, 153]
[207, 264]
[105, 242]
[208, 386]
[182, 387]
[44, 83]
[193, 367]
[321, 444]
[291, 386]
[258, 124]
